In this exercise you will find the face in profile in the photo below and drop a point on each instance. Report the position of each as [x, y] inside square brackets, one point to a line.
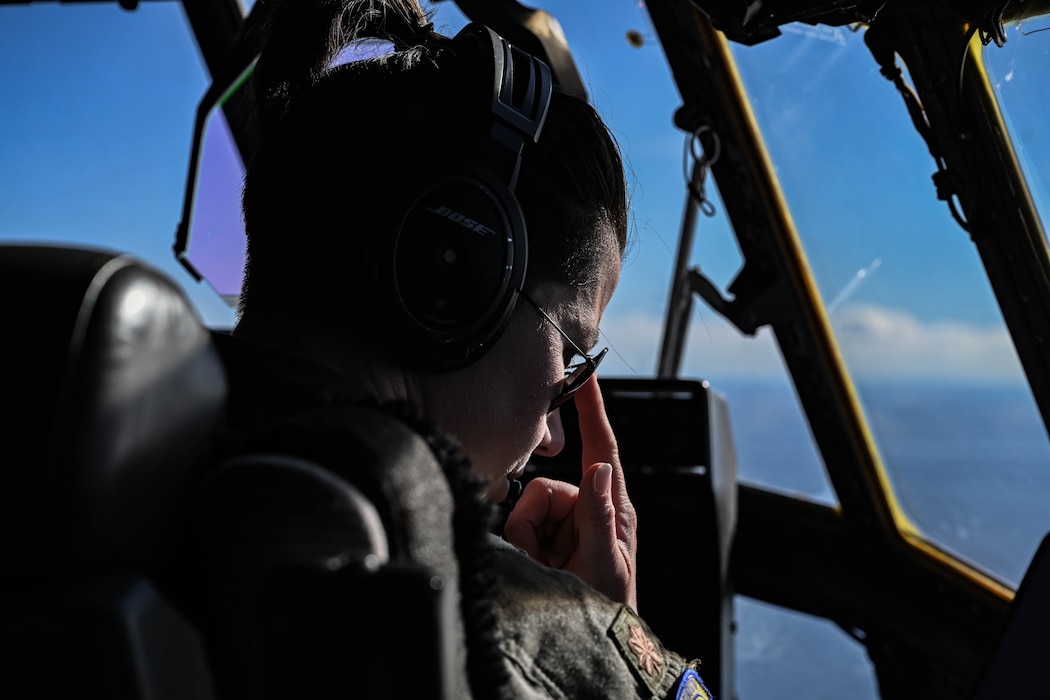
[498, 407]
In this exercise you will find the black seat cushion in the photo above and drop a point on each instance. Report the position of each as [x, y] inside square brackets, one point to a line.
[117, 395]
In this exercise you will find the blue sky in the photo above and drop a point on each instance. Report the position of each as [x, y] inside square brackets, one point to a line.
[99, 109]
[98, 112]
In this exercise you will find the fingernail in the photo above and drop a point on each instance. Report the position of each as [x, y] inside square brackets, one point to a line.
[603, 479]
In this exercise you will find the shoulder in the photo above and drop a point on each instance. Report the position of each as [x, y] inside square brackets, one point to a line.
[563, 639]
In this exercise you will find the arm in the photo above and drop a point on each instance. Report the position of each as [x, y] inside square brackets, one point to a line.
[588, 530]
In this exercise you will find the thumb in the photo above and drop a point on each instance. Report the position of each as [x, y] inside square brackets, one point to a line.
[596, 513]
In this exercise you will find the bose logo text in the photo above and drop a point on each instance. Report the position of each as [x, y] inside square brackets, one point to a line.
[462, 220]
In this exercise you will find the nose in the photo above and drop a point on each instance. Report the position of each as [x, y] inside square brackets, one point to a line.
[553, 440]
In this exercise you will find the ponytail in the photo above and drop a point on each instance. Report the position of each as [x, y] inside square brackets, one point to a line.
[299, 38]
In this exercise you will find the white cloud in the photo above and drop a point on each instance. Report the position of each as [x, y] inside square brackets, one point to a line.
[713, 347]
[879, 342]
[876, 342]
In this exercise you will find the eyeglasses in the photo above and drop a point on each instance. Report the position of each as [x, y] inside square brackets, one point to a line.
[575, 375]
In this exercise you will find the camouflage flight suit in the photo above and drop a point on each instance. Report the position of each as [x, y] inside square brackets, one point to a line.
[563, 639]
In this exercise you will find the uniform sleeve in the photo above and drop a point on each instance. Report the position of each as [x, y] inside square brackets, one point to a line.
[559, 638]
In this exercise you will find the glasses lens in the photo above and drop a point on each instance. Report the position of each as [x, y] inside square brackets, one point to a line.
[576, 376]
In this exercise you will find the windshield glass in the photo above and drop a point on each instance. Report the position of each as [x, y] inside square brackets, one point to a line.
[922, 336]
[626, 74]
[98, 114]
[1017, 71]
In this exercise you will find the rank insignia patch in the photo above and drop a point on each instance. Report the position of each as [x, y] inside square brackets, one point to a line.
[691, 687]
[639, 648]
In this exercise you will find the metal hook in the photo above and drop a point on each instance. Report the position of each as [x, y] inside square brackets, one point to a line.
[701, 155]
[701, 162]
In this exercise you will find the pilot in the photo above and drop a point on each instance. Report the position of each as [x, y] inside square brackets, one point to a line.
[435, 232]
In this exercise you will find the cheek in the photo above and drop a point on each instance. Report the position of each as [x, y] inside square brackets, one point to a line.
[525, 411]
[515, 416]
[540, 382]
[529, 361]
[497, 408]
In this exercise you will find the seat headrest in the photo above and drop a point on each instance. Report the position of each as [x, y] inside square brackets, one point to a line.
[116, 396]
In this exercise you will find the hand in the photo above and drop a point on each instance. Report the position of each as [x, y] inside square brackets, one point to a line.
[588, 530]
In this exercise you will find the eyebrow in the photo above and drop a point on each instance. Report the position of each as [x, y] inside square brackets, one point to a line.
[586, 338]
[590, 340]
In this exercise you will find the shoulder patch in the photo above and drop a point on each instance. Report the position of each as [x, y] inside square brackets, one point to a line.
[639, 648]
[691, 687]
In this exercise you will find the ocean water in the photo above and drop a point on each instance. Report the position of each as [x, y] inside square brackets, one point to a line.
[783, 654]
[970, 467]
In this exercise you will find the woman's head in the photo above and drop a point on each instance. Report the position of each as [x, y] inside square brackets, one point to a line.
[343, 152]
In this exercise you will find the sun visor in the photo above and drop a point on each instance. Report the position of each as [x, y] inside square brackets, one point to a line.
[211, 242]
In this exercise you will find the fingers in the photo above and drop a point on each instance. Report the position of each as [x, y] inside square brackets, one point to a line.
[599, 446]
[599, 442]
[596, 515]
[591, 530]
[541, 522]
[576, 529]
[600, 552]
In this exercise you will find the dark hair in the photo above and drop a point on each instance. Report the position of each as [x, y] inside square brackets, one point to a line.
[342, 151]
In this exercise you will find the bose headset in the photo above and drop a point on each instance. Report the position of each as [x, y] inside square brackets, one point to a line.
[457, 261]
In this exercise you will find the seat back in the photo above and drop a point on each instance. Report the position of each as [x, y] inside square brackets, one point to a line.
[306, 600]
[145, 561]
[115, 397]
[327, 540]
[1014, 668]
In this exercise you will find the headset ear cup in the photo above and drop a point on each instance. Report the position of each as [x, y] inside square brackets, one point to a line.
[457, 264]
[458, 259]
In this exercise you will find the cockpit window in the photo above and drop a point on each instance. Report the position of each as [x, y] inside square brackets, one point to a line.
[95, 129]
[945, 398]
[625, 70]
[1018, 74]
[775, 449]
